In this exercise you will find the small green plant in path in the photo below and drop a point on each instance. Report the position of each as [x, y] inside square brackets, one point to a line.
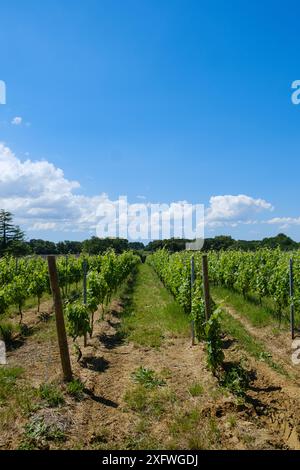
[37, 433]
[215, 355]
[51, 395]
[75, 388]
[236, 379]
[147, 377]
[196, 390]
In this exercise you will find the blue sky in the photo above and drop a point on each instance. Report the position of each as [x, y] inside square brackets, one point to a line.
[169, 100]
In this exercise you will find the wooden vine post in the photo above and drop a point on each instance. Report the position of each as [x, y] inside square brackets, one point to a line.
[84, 267]
[292, 305]
[206, 293]
[60, 322]
[192, 288]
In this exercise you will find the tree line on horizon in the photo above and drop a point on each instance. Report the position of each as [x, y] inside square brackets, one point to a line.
[12, 241]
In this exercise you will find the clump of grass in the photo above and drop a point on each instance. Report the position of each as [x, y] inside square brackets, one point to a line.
[196, 390]
[232, 421]
[8, 378]
[37, 433]
[52, 395]
[147, 377]
[152, 403]
[75, 388]
[191, 430]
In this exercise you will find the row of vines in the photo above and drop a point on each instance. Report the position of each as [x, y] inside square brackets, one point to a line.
[24, 278]
[263, 274]
[175, 273]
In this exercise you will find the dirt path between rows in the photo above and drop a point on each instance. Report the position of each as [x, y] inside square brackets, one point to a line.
[278, 343]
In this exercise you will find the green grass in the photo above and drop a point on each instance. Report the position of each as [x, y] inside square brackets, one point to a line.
[8, 380]
[151, 314]
[258, 315]
[16, 397]
[52, 395]
[151, 403]
[251, 345]
[75, 388]
[194, 431]
[196, 390]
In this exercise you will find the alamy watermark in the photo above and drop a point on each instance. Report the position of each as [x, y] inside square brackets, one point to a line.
[140, 221]
[2, 353]
[2, 92]
[296, 93]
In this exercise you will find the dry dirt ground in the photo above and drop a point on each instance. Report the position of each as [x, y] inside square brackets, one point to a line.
[190, 411]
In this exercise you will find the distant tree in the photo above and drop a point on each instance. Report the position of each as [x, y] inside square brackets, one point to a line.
[136, 246]
[67, 247]
[18, 248]
[221, 242]
[9, 232]
[247, 245]
[171, 244]
[284, 242]
[42, 247]
[96, 245]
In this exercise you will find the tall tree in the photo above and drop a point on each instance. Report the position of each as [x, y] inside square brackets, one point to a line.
[9, 232]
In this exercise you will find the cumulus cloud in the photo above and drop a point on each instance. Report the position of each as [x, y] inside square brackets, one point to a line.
[38, 192]
[230, 210]
[43, 198]
[17, 121]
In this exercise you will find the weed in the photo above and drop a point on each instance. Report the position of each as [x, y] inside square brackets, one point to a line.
[232, 421]
[236, 379]
[37, 433]
[147, 377]
[52, 395]
[75, 388]
[196, 390]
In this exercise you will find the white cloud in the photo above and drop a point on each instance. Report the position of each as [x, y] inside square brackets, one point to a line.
[42, 198]
[284, 222]
[44, 226]
[17, 121]
[230, 209]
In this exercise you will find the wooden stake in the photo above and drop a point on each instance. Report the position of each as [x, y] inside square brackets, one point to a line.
[206, 287]
[84, 266]
[292, 305]
[60, 322]
[192, 289]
